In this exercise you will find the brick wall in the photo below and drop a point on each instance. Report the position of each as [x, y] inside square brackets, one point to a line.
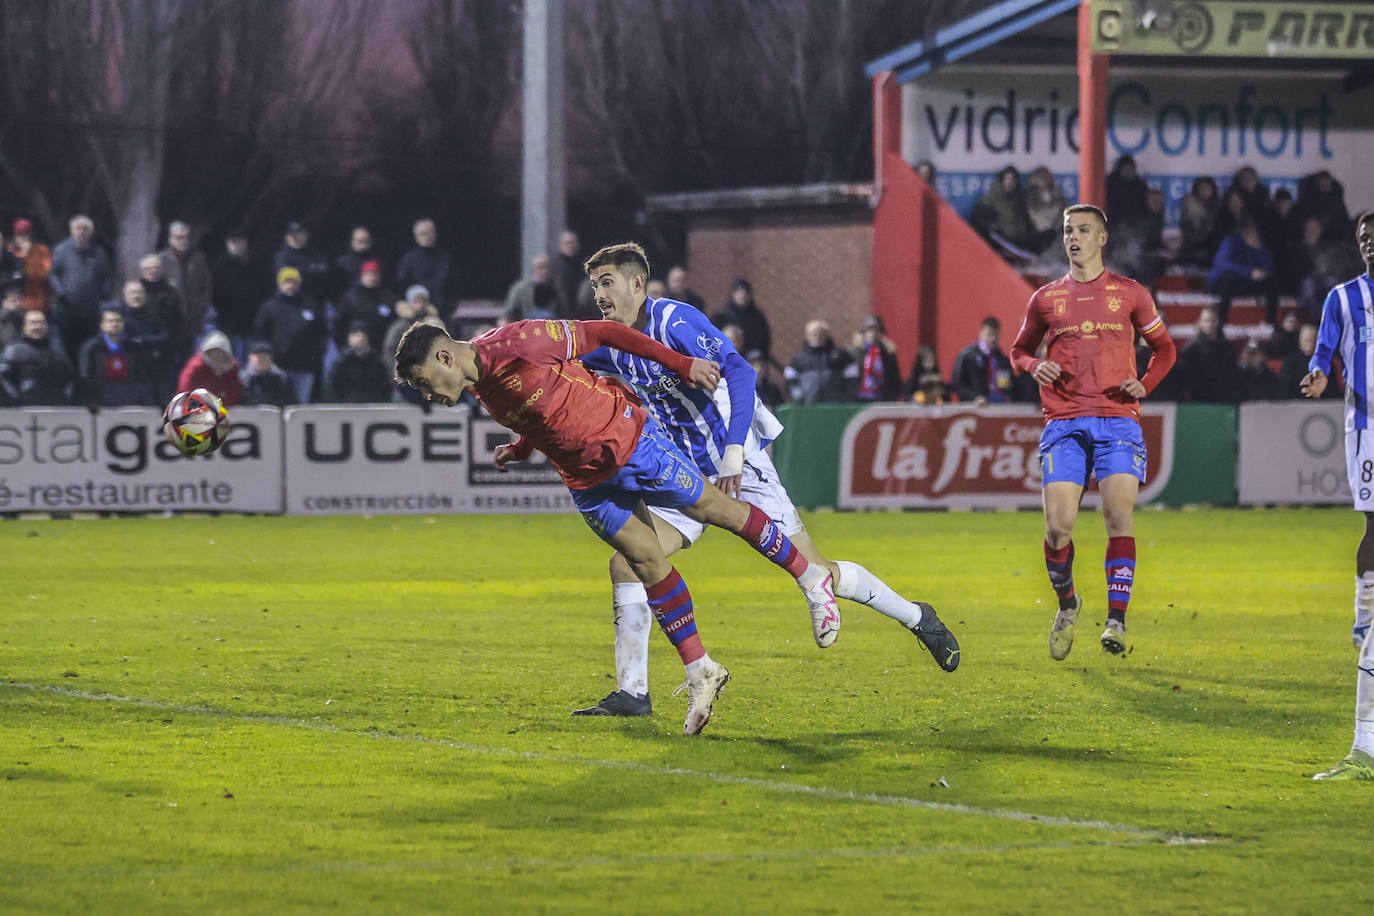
[803, 263]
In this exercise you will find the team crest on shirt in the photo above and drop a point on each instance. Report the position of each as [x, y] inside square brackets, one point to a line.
[1061, 306]
[1114, 303]
[553, 329]
[1366, 334]
[708, 344]
[512, 383]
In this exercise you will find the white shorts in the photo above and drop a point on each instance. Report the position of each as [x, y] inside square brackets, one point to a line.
[759, 485]
[1359, 467]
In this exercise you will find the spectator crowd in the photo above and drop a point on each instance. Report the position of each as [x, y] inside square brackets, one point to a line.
[297, 327]
[303, 326]
[1247, 241]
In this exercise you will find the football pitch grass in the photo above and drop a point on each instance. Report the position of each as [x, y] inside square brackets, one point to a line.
[269, 715]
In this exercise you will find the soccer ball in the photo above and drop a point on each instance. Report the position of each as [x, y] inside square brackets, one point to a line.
[195, 422]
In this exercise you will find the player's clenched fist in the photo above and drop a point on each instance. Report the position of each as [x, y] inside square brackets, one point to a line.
[1046, 371]
[1134, 388]
[1313, 383]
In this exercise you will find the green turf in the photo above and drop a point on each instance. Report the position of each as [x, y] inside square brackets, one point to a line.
[268, 715]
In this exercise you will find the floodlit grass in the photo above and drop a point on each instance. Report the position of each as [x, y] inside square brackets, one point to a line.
[268, 715]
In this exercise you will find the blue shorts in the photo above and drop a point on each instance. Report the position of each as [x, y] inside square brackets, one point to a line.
[1112, 445]
[656, 474]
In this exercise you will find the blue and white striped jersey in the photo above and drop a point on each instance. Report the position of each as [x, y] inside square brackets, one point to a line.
[700, 424]
[1347, 330]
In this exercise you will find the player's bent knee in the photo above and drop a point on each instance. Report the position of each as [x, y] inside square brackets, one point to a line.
[620, 570]
[1058, 535]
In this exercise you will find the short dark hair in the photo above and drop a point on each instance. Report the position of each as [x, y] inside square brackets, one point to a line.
[1088, 208]
[1365, 217]
[626, 254]
[413, 348]
[991, 322]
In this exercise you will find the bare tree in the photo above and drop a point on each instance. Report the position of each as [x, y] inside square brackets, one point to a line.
[674, 96]
[101, 90]
[453, 150]
[266, 111]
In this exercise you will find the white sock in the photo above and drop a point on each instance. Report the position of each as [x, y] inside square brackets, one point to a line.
[858, 584]
[633, 624]
[815, 574]
[1364, 599]
[1364, 700]
[693, 667]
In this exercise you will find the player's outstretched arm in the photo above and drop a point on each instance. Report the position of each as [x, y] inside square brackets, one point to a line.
[700, 373]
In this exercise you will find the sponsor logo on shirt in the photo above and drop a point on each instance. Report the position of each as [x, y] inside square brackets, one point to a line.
[667, 383]
[517, 416]
[708, 344]
[1088, 326]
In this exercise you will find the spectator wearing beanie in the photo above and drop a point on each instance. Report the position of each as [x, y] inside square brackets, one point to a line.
[293, 324]
[265, 385]
[367, 302]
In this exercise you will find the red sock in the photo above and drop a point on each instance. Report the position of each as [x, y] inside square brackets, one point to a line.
[1120, 568]
[671, 604]
[767, 538]
[1059, 564]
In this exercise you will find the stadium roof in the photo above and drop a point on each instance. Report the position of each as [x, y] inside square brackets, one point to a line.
[1036, 31]
[985, 28]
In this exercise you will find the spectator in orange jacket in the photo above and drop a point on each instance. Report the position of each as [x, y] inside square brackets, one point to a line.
[213, 367]
[37, 260]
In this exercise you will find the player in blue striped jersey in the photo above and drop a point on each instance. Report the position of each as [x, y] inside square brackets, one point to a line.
[726, 435]
[1347, 330]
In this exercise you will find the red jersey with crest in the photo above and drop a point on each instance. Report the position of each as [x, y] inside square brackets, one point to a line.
[1090, 330]
[531, 383]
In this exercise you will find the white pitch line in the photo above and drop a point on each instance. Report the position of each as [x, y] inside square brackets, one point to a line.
[795, 788]
[620, 862]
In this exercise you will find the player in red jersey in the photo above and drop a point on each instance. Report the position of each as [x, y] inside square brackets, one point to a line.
[610, 454]
[1091, 398]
